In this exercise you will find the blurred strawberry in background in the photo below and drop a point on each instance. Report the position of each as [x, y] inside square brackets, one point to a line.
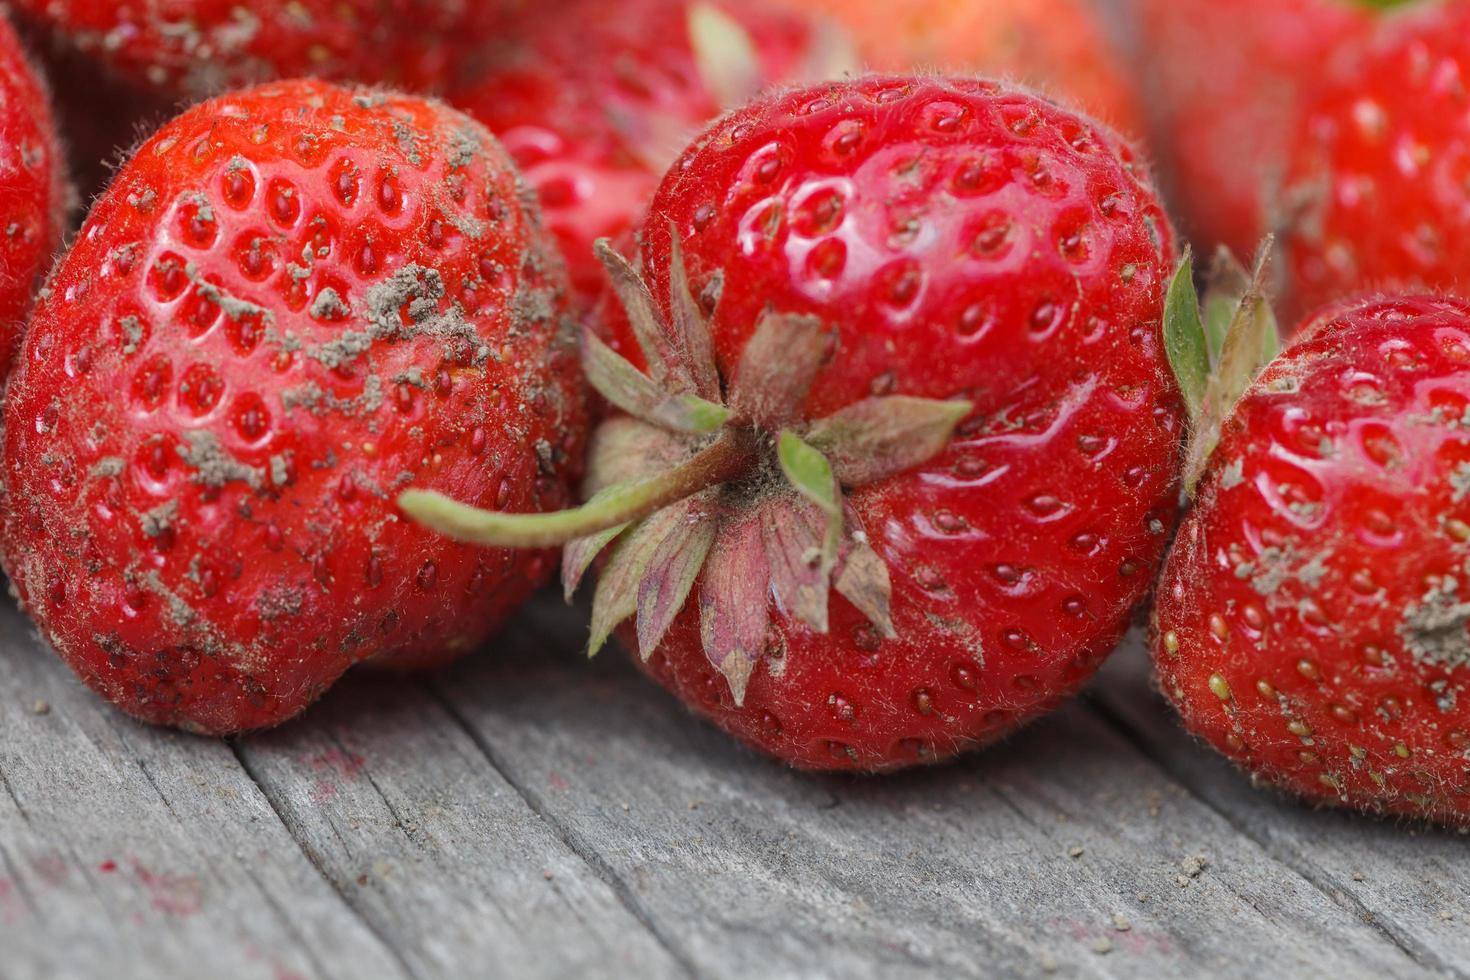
[195, 48]
[1377, 190]
[594, 108]
[34, 196]
[1061, 47]
[1225, 83]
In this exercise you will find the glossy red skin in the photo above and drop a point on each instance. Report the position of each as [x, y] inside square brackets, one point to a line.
[1379, 186]
[33, 190]
[1385, 382]
[196, 48]
[588, 104]
[1003, 602]
[1059, 46]
[1225, 81]
[281, 561]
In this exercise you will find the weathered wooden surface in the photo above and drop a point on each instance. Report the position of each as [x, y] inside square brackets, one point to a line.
[529, 814]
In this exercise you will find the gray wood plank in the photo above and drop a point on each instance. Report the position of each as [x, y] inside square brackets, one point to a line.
[127, 851]
[1026, 858]
[1412, 881]
[435, 849]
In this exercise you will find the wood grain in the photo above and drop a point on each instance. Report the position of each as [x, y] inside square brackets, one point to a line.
[534, 815]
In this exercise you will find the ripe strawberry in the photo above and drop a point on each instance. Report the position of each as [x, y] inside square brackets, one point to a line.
[33, 192]
[1060, 46]
[103, 117]
[1311, 621]
[594, 108]
[1378, 191]
[852, 269]
[293, 300]
[1225, 80]
[195, 48]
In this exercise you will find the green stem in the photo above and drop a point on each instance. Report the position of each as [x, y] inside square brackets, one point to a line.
[730, 456]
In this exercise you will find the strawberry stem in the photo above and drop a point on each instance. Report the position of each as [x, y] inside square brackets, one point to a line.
[730, 456]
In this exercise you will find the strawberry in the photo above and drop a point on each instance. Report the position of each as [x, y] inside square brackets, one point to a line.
[1378, 189]
[1311, 621]
[195, 48]
[1226, 81]
[594, 108]
[293, 300]
[903, 449]
[1061, 46]
[34, 196]
[104, 117]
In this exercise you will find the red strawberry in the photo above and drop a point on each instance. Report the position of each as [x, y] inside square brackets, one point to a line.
[293, 300]
[867, 262]
[1059, 45]
[103, 117]
[33, 193]
[1378, 192]
[595, 107]
[195, 48]
[1312, 619]
[1225, 80]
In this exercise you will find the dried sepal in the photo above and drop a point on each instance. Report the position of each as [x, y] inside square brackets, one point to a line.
[627, 450]
[634, 392]
[1252, 334]
[653, 136]
[862, 579]
[578, 555]
[675, 568]
[724, 55]
[643, 317]
[1226, 283]
[690, 328]
[800, 577]
[777, 368]
[876, 438]
[734, 608]
[616, 598]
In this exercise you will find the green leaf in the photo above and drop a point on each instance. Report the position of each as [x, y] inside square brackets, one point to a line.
[1184, 337]
[810, 473]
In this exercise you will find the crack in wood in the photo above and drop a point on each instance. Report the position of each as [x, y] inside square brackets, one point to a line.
[594, 861]
[315, 861]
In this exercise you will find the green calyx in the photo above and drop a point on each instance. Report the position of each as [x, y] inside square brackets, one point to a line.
[1386, 4]
[724, 483]
[1217, 347]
